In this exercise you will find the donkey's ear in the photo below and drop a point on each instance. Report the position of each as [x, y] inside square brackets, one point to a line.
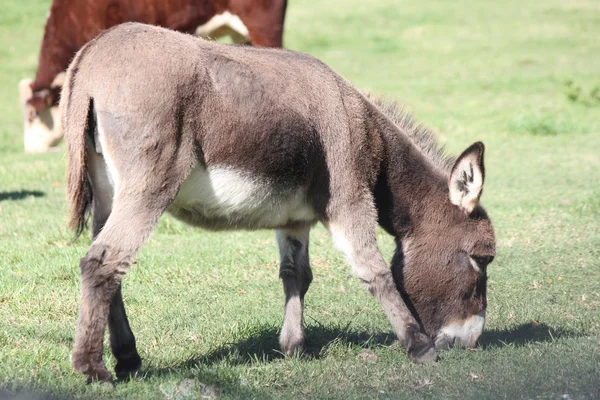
[466, 178]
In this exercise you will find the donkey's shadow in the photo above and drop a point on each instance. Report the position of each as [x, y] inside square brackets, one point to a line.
[263, 347]
[523, 335]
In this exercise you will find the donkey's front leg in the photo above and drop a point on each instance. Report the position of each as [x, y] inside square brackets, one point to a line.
[296, 276]
[354, 232]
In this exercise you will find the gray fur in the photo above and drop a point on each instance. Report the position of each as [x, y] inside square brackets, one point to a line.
[156, 120]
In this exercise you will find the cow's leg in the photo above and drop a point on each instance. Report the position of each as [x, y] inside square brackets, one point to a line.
[353, 228]
[296, 276]
[130, 222]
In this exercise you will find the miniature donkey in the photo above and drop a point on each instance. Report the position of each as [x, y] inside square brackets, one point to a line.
[227, 137]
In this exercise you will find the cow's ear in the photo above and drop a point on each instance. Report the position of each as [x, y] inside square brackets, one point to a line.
[466, 179]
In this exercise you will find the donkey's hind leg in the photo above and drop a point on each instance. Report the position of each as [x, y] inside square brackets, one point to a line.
[353, 230]
[296, 275]
[131, 221]
[122, 340]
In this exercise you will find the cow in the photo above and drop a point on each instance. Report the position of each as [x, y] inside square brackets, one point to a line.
[228, 137]
[70, 24]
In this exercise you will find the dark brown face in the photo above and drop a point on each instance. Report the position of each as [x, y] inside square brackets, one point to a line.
[441, 272]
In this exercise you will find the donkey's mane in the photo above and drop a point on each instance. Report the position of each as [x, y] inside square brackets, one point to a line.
[420, 135]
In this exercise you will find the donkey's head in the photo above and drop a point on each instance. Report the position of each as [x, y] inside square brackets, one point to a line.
[441, 267]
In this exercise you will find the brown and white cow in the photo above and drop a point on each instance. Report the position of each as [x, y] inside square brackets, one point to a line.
[71, 24]
[229, 137]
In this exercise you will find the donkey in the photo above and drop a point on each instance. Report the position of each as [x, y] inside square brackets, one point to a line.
[227, 137]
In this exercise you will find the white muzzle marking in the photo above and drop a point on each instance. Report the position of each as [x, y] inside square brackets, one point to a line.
[463, 334]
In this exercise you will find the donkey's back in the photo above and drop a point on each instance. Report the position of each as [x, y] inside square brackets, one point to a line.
[248, 127]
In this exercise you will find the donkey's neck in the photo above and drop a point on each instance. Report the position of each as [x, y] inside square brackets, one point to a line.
[410, 183]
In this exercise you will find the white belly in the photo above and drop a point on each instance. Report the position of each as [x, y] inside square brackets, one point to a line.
[225, 198]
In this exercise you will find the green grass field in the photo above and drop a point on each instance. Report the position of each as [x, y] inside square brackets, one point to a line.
[522, 76]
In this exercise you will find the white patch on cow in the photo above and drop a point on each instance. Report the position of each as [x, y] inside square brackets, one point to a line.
[59, 80]
[40, 130]
[224, 197]
[465, 333]
[225, 24]
[474, 264]
[25, 92]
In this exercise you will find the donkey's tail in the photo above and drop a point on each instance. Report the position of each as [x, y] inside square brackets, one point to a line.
[76, 108]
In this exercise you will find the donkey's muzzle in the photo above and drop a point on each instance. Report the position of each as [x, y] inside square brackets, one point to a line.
[462, 333]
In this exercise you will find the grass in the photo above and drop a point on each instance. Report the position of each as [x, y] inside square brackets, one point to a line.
[206, 307]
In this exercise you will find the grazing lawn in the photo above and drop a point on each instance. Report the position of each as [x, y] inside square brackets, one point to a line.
[523, 76]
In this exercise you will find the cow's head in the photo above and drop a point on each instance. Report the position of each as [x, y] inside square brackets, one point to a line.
[41, 119]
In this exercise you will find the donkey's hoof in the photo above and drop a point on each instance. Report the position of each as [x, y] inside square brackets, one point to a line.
[100, 375]
[94, 371]
[97, 373]
[128, 367]
[291, 350]
[297, 350]
[422, 349]
[291, 345]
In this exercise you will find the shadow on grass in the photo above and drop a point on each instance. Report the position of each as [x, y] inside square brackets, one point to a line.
[20, 195]
[27, 394]
[263, 346]
[524, 334]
